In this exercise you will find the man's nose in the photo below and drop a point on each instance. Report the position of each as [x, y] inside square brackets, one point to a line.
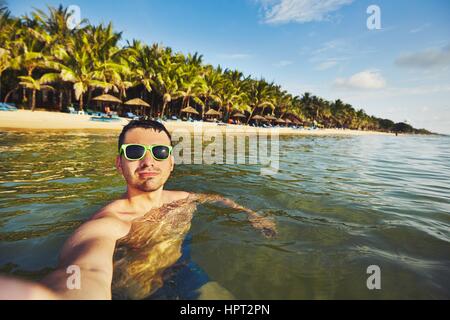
[148, 159]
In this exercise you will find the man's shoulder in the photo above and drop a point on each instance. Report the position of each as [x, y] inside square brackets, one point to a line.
[109, 216]
[174, 195]
[111, 210]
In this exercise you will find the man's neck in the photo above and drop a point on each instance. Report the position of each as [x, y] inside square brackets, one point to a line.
[142, 201]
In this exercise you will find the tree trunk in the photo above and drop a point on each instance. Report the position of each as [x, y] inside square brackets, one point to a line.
[60, 102]
[203, 107]
[262, 111]
[81, 102]
[251, 114]
[163, 109]
[70, 96]
[30, 74]
[9, 93]
[24, 96]
[185, 101]
[33, 100]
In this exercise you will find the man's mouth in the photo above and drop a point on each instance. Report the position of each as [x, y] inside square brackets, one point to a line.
[147, 174]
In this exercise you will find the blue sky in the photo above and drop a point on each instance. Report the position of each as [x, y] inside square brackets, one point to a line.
[400, 71]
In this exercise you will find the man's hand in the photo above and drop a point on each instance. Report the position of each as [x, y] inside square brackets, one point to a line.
[265, 225]
[15, 289]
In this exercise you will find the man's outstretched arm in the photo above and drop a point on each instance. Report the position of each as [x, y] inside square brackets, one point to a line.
[267, 226]
[90, 249]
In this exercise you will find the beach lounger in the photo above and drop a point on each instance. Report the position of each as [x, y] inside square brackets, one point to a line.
[7, 107]
[131, 115]
[105, 119]
[91, 112]
[11, 106]
[72, 110]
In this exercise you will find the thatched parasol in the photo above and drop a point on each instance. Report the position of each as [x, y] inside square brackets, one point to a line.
[280, 121]
[257, 117]
[212, 112]
[137, 102]
[238, 115]
[288, 121]
[107, 98]
[189, 110]
[269, 117]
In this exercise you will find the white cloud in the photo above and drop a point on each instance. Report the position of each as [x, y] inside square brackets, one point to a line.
[430, 58]
[283, 11]
[367, 79]
[421, 28]
[283, 63]
[234, 56]
[326, 65]
[333, 45]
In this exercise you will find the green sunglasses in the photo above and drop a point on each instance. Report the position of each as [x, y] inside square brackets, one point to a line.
[134, 152]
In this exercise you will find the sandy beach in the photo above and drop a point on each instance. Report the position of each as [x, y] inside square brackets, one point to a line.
[43, 120]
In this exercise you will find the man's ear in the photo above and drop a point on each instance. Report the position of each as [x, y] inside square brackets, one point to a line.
[119, 164]
[172, 163]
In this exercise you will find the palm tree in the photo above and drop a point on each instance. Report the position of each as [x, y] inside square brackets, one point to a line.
[52, 29]
[77, 67]
[7, 29]
[234, 92]
[326, 114]
[284, 102]
[191, 82]
[259, 96]
[38, 85]
[29, 50]
[141, 60]
[167, 80]
[5, 63]
[55, 23]
[306, 102]
[213, 85]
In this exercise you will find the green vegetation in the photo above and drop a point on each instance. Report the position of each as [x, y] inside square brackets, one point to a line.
[44, 62]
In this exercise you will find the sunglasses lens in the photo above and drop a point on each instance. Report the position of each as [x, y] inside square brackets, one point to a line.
[161, 152]
[134, 152]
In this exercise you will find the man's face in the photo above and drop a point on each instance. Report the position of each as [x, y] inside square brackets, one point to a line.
[146, 174]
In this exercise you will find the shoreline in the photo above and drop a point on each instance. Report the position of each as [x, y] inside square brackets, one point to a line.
[45, 120]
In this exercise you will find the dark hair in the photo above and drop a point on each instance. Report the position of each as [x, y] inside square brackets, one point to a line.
[146, 124]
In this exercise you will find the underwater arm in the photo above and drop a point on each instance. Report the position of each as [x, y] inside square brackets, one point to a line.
[265, 225]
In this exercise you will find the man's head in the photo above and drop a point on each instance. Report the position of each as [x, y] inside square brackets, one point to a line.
[146, 174]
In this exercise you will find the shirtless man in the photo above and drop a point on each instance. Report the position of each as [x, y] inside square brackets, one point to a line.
[138, 236]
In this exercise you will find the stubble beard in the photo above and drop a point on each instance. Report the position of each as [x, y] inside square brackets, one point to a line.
[148, 185]
[151, 184]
